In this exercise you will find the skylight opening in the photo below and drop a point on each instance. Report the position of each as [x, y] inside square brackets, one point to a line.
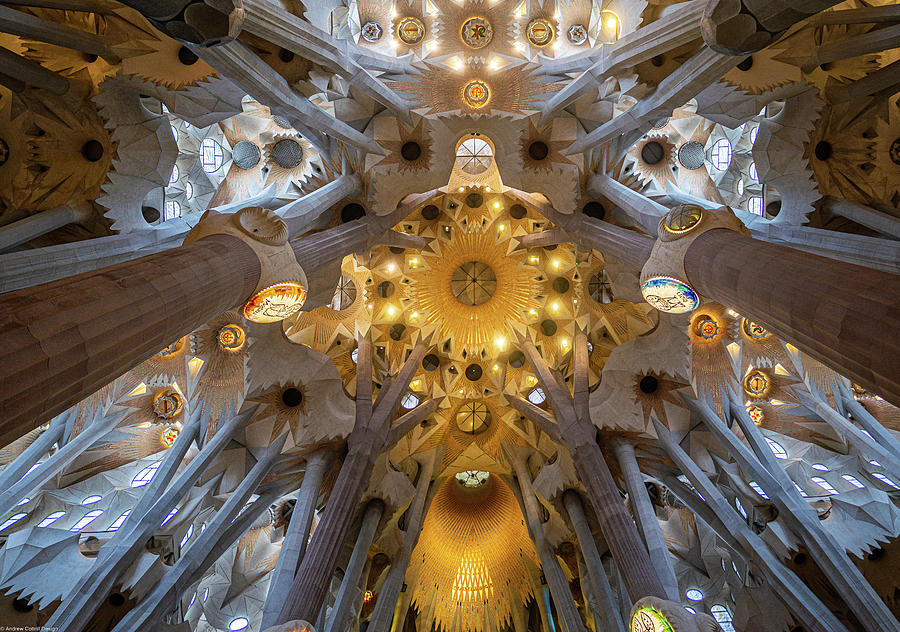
[86, 519]
[853, 481]
[720, 154]
[474, 155]
[12, 520]
[821, 482]
[145, 475]
[211, 155]
[50, 519]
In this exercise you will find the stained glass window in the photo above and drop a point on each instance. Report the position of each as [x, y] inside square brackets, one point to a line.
[175, 173]
[759, 490]
[169, 517]
[86, 519]
[721, 614]
[720, 154]
[211, 155]
[853, 480]
[90, 500]
[821, 482]
[12, 520]
[187, 536]
[777, 449]
[693, 594]
[409, 401]
[46, 522]
[173, 210]
[472, 478]
[755, 205]
[119, 521]
[753, 172]
[820, 467]
[884, 479]
[145, 475]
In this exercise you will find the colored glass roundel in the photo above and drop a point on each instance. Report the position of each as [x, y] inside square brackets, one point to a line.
[707, 328]
[756, 414]
[476, 32]
[755, 330]
[476, 93]
[275, 303]
[167, 404]
[371, 32]
[231, 337]
[683, 218]
[539, 32]
[649, 619]
[411, 31]
[669, 295]
[577, 34]
[756, 384]
[169, 435]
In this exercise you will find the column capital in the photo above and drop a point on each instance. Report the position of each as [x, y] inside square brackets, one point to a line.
[282, 287]
[664, 282]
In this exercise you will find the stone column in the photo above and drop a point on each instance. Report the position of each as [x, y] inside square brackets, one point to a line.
[18, 71]
[26, 229]
[390, 590]
[32, 27]
[826, 308]
[864, 44]
[598, 580]
[365, 443]
[294, 544]
[350, 583]
[865, 215]
[741, 27]
[62, 341]
[559, 587]
[646, 519]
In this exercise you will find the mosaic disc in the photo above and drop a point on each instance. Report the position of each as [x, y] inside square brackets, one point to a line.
[755, 330]
[649, 619]
[411, 30]
[756, 384]
[476, 32]
[275, 303]
[577, 34]
[670, 295]
[539, 32]
[371, 31]
[707, 328]
[476, 93]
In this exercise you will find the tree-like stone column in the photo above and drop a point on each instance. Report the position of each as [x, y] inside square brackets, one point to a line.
[573, 427]
[62, 341]
[294, 544]
[370, 436]
[646, 519]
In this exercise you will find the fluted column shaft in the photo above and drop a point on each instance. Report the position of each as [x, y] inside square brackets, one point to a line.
[294, 544]
[645, 517]
[313, 577]
[559, 587]
[382, 615]
[835, 311]
[62, 341]
[599, 582]
[350, 583]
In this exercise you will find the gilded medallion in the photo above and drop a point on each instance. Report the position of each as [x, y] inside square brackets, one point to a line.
[539, 32]
[476, 93]
[411, 31]
[476, 32]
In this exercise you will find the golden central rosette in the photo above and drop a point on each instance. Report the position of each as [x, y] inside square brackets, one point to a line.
[438, 289]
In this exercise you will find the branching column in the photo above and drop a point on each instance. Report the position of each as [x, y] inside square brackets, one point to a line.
[644, 514]
[365, 443]
[294, 544]
[350, 584]
[574, 428]
[559, 587]
[383, 613]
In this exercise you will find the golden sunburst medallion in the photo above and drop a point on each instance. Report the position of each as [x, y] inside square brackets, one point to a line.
[539, 32]
[469, 290]
[275, 303]
[411, 30]
[476, 32]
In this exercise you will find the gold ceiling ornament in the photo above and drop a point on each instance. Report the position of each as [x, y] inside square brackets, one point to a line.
[476, 93]
[220, 383]
[709, 331]
[167, 366]
[275, 302]
[168, 403]
[411, 30]
[539, 32]
[473, 329]
[475, 548]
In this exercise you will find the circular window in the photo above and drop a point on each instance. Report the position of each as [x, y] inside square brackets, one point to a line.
[430, 362]
[397, 331]
[474, 372]
[474, 156]
[238, 624]
[517, 211]
[211, 155]
[561, 285]
[682, 218]
[594, 209]
[292, 397]
[371, 32]
[245, 154]
[652, 152]
[600, 287]
[473, 283]
[344, 294]
[648, 384]
[538, 150]
[411, 151]
[691, 155]
[517, 359]
[430, 212]
[386, 289]
[352, 211]
[287, 153]
[472, 478]
[473, 417]
[548, 327]
[474, 200]
[693, 594]
[92, 151]
[187, 57]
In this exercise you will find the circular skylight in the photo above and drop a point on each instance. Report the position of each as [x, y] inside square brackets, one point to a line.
[474, 156]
